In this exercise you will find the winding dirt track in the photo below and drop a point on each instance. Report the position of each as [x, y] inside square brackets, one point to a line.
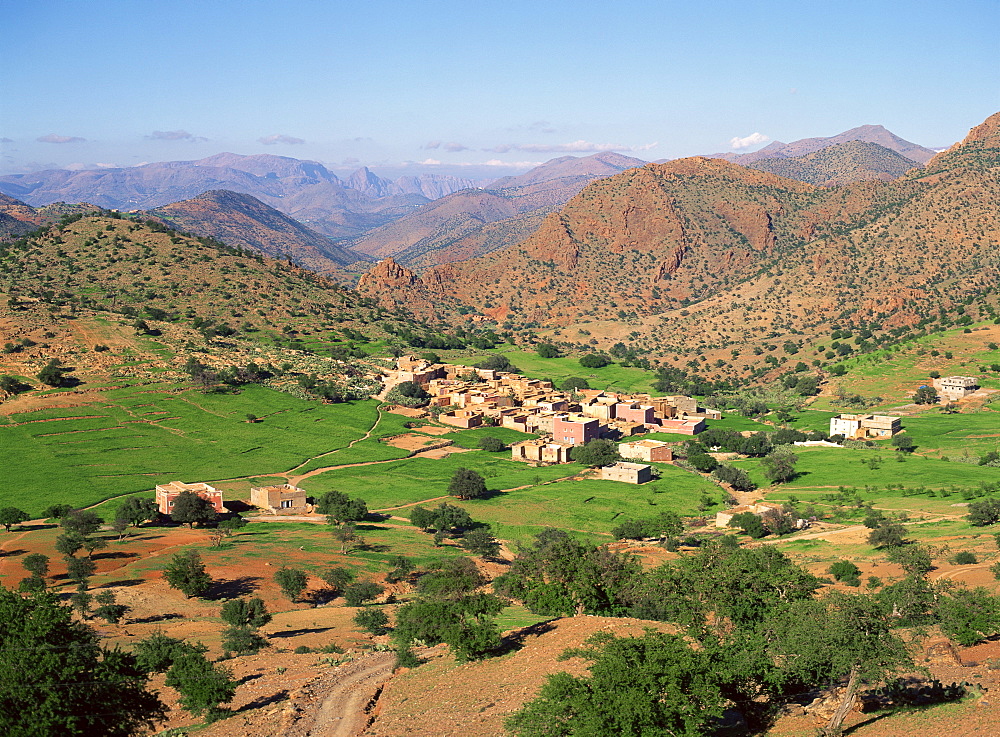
[348, 700]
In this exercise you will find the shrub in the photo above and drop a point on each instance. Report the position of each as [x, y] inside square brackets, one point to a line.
[492, 444]
[595, 360]
[964, 558]
[845, 571]
[373, 621]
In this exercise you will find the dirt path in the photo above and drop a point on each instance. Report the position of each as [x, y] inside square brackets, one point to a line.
[348, 700]
[853, 528]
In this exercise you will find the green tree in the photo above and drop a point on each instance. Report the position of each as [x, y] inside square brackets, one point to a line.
[53, 673]
[446, 518]
[467, 484]
[156, 653]
[79, 570]
[82, 521]
[466, 624]
[36, 564]
[338, 508]
[887, 535]
[337, 579]
[249, 613]
[202, 685]
[650, 685]
[844, 636]
[373, 621]
[750, 523]
[779, 465]
[190, 509]
[69, 543]
[243, 641]
[359, 592]
[595, 453]
[402, 567]
[450, 578]
[595, 360]
[983, 513]
[925, 395]
[52, 374]
[10, 516]
[108, 607]
[491, 444]
[348, 537]
[844, 570]
[559, 576]
[904, 443]
[136, 510]
[574, 384]
[186, 573]
[480, 541]
[969, 616]
[292, 582]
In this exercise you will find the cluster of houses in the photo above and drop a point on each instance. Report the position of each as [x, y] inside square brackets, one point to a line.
[280, 499]
[475, 397]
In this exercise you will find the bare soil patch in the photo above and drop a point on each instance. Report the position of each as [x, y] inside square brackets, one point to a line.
[411, 441]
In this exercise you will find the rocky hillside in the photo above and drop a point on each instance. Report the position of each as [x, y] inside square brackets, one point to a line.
[842, 163]
[475, 222]
[244, 221]
[701, 257]
[143, 269]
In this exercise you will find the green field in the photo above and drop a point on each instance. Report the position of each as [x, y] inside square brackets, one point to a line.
[615, 377]
[828, 468]
[138, 437]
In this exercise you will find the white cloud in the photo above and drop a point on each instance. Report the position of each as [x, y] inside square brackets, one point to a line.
[430, 162]
[280, 138]
[580, 146]
[432, 144]
[178, 135]
[53, 138]
[452, 147]
[752, 140]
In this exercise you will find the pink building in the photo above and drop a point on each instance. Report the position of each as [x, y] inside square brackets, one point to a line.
[634, 412]
[576, 431]
[682, 427]
[167, 493]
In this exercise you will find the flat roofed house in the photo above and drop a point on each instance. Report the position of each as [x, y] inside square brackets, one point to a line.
[283, 498]
[167, 493]
[956, 387]
[575, 430]
[647, 450]
[683, 427]
[629, 473]
[540, 451]
[861, 427]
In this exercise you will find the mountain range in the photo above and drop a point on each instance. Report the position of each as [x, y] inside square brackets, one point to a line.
[865, 133]
[305, 190]
[706, 258]
[474, 222]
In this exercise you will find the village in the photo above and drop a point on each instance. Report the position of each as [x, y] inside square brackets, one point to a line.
[467, 397]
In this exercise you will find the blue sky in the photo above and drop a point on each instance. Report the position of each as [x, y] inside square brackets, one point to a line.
[479, 86]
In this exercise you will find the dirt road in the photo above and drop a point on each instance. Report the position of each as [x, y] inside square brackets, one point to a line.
[345, 701]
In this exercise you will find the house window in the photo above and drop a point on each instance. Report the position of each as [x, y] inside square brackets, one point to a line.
[286, 503]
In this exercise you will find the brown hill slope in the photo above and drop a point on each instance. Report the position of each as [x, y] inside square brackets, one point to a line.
[700, 256]
[242, 220]
[475, 222]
